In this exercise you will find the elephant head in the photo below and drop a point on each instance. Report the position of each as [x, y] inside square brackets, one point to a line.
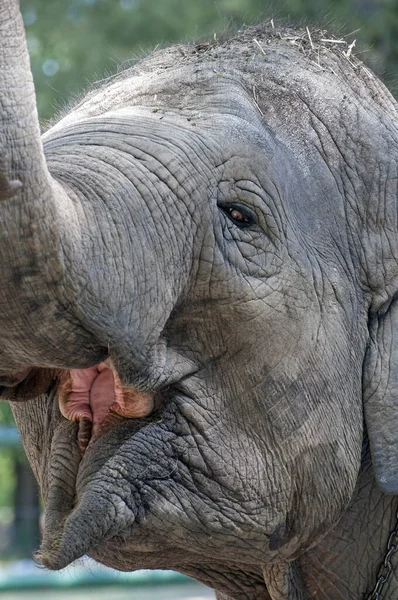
[215, 230]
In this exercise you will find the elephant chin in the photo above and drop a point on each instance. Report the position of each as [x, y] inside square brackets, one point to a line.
[78, 517]
[79, 534]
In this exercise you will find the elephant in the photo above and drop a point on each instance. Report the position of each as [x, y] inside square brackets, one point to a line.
[198, 313]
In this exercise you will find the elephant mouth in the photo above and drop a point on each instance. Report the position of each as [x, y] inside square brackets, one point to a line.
[71, 527]
[101, 419]
[96, 399]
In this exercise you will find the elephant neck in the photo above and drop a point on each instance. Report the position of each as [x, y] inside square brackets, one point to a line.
[345, 563]
[283, 582]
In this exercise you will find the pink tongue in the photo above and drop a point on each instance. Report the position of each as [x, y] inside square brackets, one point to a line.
[95, 395]
[102, 395]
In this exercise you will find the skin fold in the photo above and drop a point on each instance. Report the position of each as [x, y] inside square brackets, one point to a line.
[207, 242]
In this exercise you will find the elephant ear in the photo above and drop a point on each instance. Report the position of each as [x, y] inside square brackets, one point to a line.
[380, 382]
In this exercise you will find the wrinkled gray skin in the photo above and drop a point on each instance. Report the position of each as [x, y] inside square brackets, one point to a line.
[254, 339]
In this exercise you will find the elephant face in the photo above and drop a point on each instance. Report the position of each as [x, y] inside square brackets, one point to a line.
[206, 251]
[212, 297]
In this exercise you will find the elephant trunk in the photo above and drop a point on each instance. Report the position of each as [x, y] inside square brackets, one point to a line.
[83, 270]
[23, 168]
[33, 212]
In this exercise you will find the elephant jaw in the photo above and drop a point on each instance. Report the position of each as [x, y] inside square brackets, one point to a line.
[79, 518]
[96, 399]
[96, 406]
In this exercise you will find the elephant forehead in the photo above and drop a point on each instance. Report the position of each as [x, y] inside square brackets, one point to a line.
[185, 91]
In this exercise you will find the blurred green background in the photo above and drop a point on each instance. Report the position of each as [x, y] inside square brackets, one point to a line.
[74, 42]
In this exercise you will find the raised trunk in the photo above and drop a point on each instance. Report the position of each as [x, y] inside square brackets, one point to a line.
[32, 209]
[23, 157]
[59, 288]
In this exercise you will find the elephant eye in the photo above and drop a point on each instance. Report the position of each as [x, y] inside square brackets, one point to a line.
[240, 215]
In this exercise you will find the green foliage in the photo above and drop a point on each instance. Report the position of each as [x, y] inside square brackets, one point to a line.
[6, 417]
[7, 478]
[72, 42]
[8, 456]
